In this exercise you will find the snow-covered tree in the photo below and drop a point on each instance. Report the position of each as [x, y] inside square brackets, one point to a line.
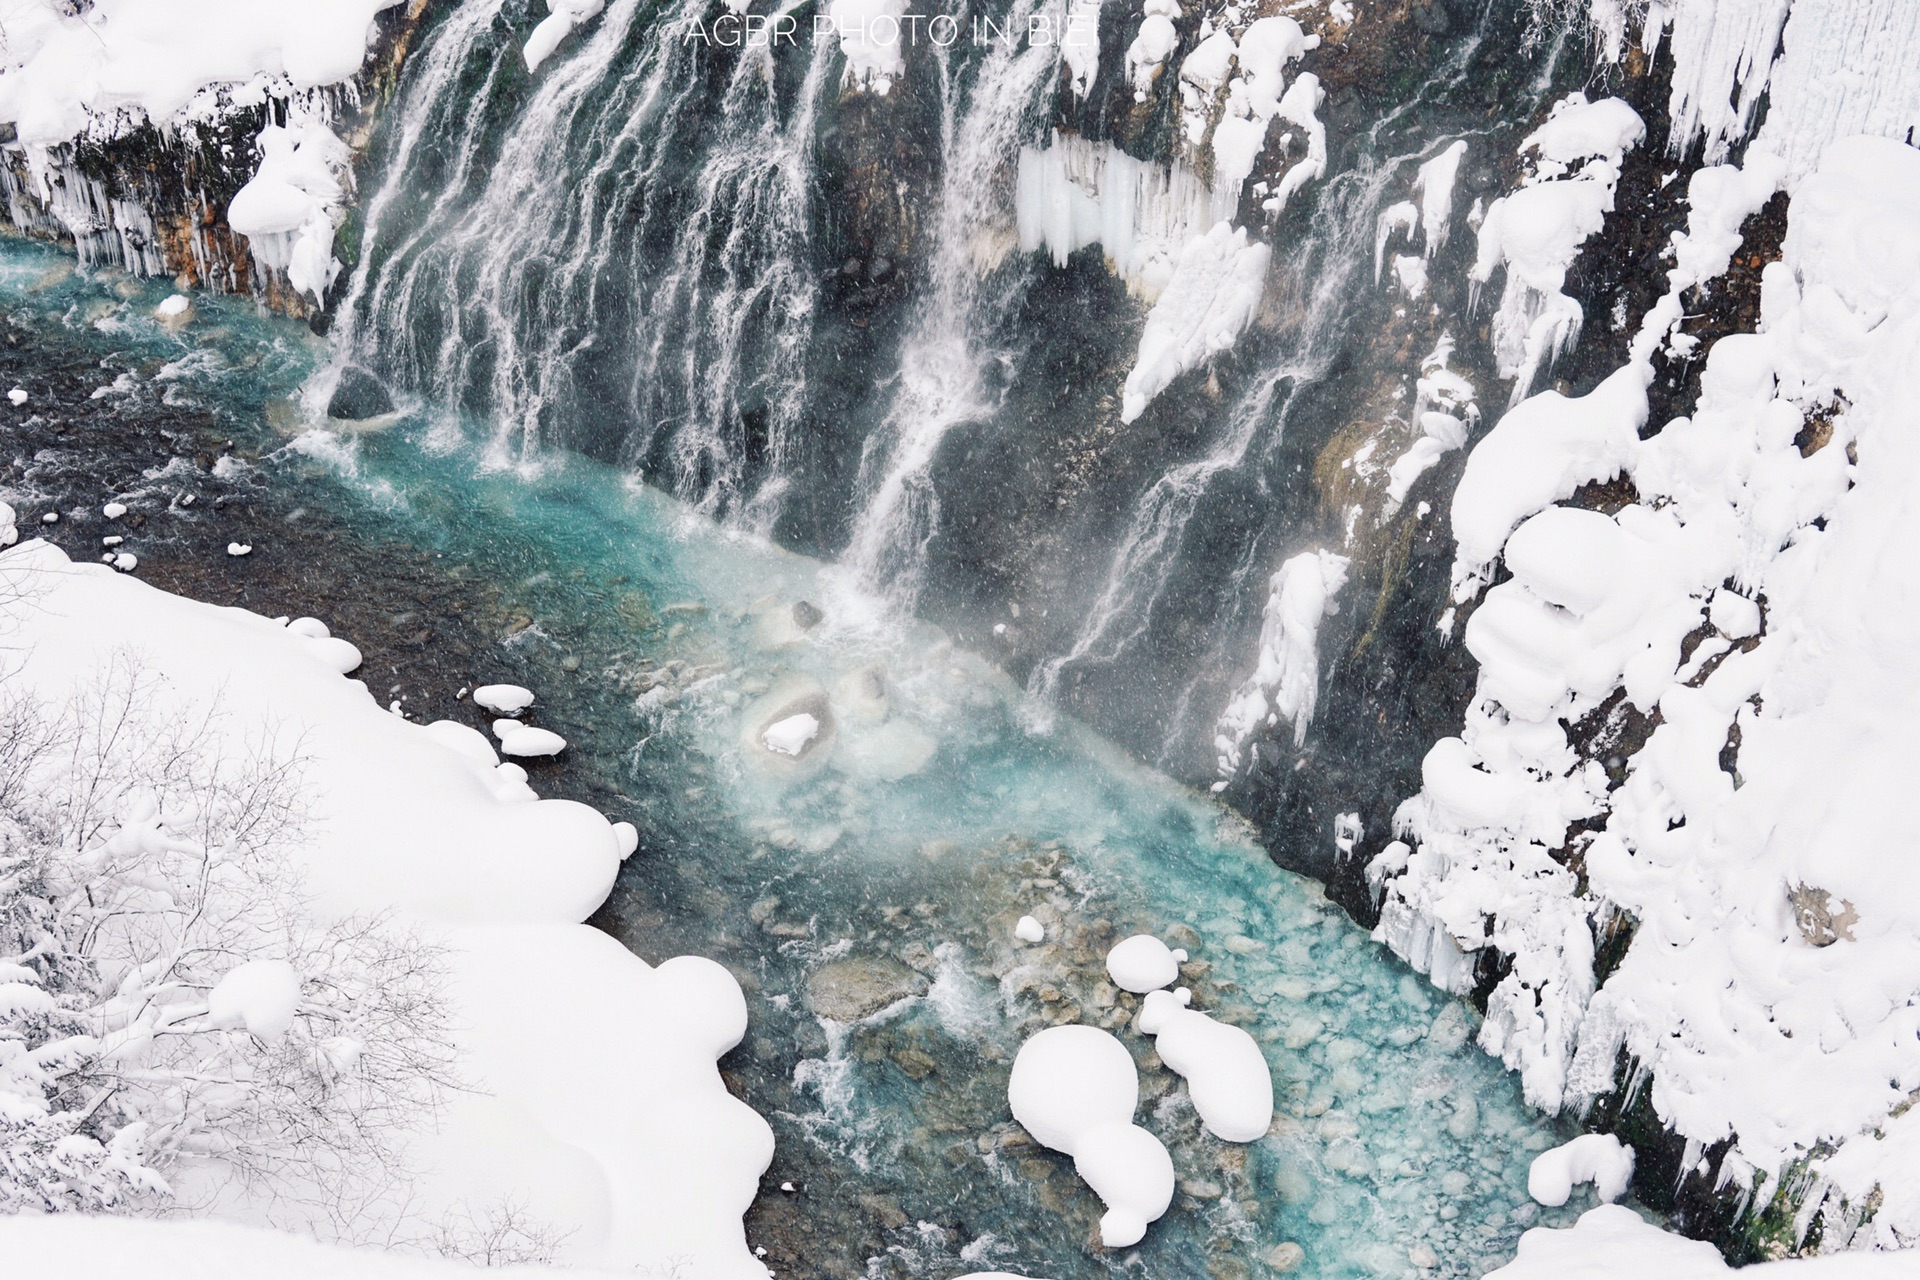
[176, 1025]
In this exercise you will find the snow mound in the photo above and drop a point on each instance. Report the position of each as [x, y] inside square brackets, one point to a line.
[1226, 1074]
[503, 699]
[790, 736]
[1599, 1158]
[1074, 1089]
[1027, 929]
[1143, 963]
[526, 742]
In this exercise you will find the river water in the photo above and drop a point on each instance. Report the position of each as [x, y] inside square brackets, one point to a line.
[659, 642]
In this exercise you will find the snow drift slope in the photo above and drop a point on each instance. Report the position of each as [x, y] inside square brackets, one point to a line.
[596, 1109]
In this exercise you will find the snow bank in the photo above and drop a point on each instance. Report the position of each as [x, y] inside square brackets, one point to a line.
[640, 1156]
[1211, 298]
[1143, 963]
[1613, 1241]
[1226, 1074]
[72, 1245]
[59, 74]
[1757, 603]
[1285, 683]
[504, 699]
[1074, 1089]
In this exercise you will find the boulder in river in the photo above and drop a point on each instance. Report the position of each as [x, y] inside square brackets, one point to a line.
[861, 986]
[358, 395]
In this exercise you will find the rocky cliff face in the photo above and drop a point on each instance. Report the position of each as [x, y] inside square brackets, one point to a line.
[152, 198]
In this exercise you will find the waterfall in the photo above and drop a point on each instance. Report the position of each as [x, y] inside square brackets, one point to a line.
[803, 307]
[939, 383]
[1323, 271]
[625, 261]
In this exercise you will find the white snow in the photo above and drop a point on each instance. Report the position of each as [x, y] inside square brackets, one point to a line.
[1536, 232]
[1152, 45]
[239, 549]
[526, 742]
[1285, 684]
[1612, 1241]
[789, 737]
[1227, 1076]
[60, 73]
[1027, 929]
[562, 17]
[9, 527]
[77, 1245]
[260, 995]
[1770, 993]
[1074, 1089]
[294, 202]
[610, 1126]
[1143, 963]
[1080, 45]
[114, 510]
[16, 397]
[1599, 1158]
[172, 306]
[503, 699]
[871, 41]
[1211, 298]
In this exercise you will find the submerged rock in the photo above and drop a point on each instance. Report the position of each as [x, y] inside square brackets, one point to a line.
[358, 395]
[859, 987]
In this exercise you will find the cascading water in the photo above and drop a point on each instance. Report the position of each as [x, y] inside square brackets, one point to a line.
[612, 256]
[985, 112]
[798, 305]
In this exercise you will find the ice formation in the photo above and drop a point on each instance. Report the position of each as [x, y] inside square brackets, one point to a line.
[1143, 963]
[1074, 1089]
[1226, 1074]
[643, 1160]
[1209, 300]
[1536, 232]
[289, 210]
[1443, 410]
[870, 41]
[1753, 597]
[1074, 193]
[1285, 684]
[1029, 930]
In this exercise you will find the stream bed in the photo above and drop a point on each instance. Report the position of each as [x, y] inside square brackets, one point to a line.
[865, 893]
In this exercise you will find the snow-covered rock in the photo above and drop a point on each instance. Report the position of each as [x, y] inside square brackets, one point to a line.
[1143, 963]
[1599, 1158]
[1227, 1075]
[1074, 1089]
[503, 699]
